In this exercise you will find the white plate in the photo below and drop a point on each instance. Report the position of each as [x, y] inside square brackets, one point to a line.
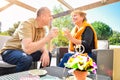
[38, 72]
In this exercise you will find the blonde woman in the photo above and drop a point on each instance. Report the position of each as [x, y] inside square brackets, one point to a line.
[81, 34]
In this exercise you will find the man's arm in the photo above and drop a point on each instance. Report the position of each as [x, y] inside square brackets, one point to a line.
[29, 47]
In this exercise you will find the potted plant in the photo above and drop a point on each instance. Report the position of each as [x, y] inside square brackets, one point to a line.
[80, 65]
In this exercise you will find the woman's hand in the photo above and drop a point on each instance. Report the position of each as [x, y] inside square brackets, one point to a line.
[67, 33]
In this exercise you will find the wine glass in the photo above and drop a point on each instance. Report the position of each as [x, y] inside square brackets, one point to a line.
[63, 30]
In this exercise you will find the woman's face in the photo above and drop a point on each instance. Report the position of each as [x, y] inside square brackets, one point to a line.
[76, 18]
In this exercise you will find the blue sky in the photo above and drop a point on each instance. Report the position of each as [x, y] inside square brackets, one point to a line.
[109, 14]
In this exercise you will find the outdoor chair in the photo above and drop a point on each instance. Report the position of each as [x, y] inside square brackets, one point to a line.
[60, 51]
[6, 68]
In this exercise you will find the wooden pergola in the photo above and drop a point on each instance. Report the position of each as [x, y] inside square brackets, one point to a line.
[85, 7]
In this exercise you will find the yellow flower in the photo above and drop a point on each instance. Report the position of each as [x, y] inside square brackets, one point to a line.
[81, 62]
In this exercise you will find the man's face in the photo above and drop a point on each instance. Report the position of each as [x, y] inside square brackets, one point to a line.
[47, 18]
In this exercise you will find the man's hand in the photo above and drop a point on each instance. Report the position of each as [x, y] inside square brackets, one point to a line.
[53, 32]
[45, 60]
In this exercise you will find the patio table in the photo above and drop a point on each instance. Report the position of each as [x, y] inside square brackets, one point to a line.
[25, 75]
[61, 72]
[53, 73]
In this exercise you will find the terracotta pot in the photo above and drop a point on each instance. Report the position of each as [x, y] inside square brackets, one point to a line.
[80, 75]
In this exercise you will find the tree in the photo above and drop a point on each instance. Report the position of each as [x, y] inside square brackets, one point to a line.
[104, 32]
[0, 26]
[12, 30]
[5, 33]
[61, 22]
[115, 38]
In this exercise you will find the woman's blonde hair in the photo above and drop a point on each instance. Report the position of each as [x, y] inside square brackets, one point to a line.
[81, 13]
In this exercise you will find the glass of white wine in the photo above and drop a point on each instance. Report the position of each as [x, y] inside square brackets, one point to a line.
[63, 30]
